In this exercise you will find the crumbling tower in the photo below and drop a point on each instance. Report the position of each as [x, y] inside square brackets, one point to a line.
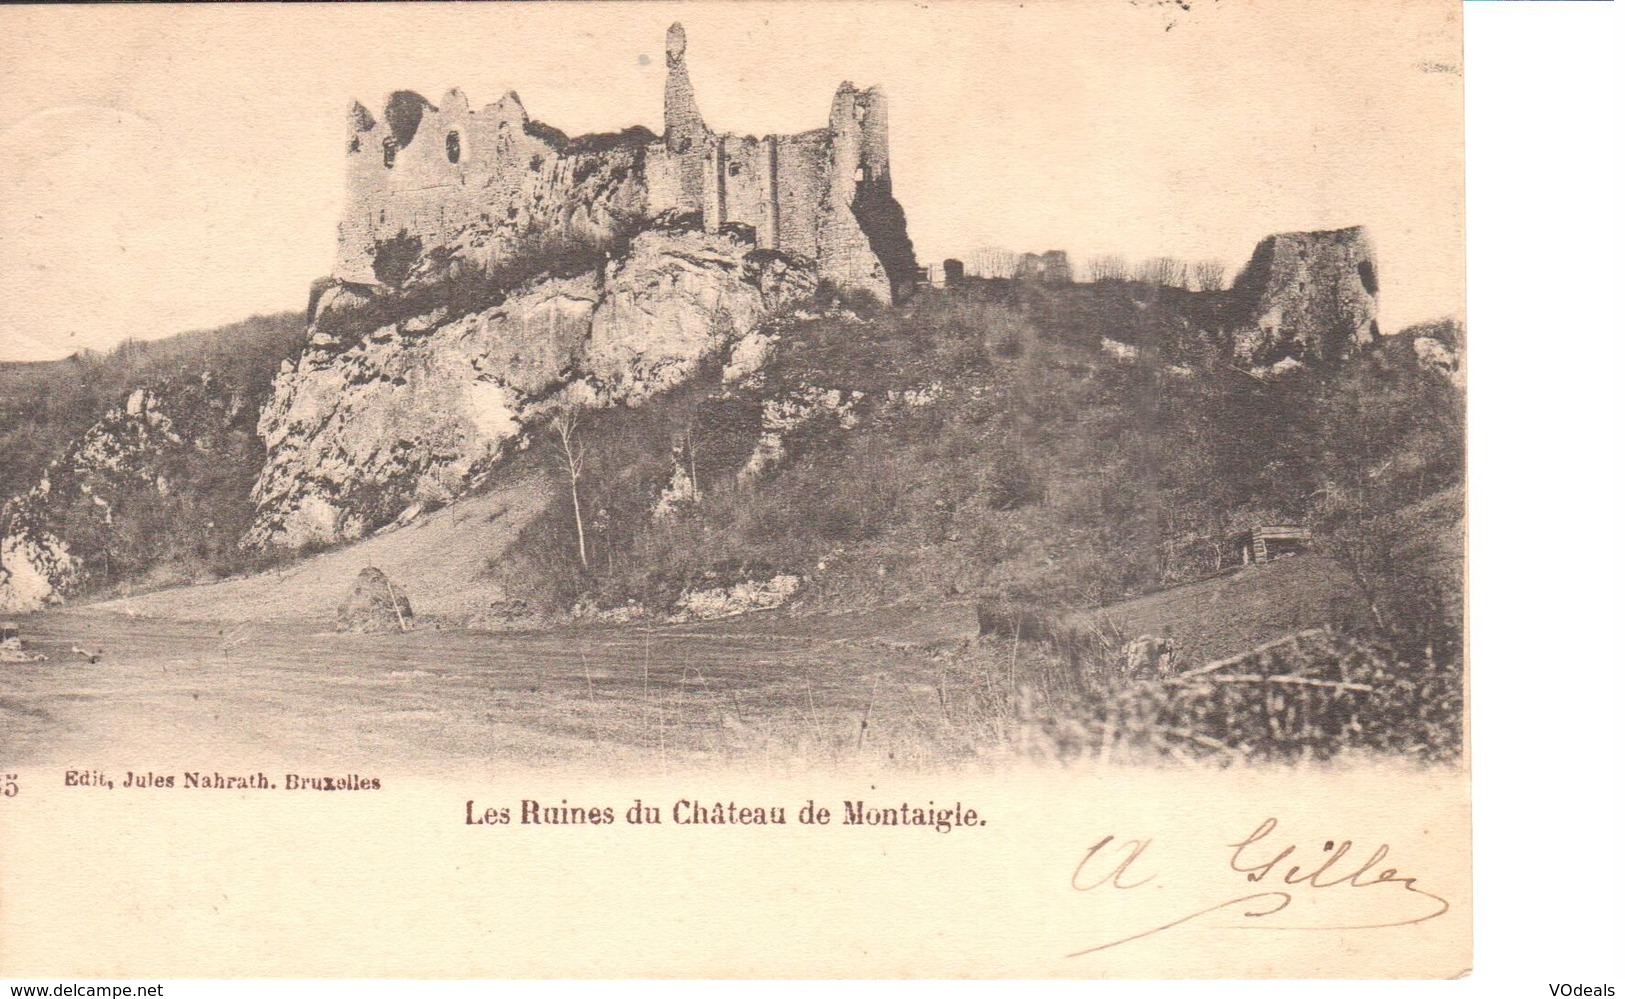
[687, 138]
[1308, 293]
[822, 195]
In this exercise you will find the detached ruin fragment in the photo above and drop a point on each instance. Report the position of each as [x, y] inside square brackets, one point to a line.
[1310, 294]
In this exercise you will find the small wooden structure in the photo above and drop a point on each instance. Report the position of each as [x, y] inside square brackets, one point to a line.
[1262, 544]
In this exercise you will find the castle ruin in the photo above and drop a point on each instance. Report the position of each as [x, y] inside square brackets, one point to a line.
[479, 185]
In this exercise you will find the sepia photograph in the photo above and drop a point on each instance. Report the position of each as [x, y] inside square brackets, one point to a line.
[932, 446]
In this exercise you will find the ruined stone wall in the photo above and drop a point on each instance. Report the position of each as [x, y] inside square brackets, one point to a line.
[844, 252]
[428, 171]
[744, 178]
[1057, 268]
[861, 185]
[803, 185]
[479, 184]
[823, 194]
[688, 139]
[663, 172]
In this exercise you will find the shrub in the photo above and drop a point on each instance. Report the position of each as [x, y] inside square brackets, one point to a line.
[394, 258]
[1013, 482]
[1315, 695]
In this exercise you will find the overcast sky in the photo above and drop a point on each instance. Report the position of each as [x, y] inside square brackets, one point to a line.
[164, 169]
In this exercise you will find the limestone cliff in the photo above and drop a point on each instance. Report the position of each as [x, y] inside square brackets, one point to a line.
[357, 432]
[677, 297]
[371, 429]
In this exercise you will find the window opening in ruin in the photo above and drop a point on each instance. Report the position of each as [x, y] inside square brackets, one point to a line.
[380, 216]
[1368, 276]
[389, 153]
[454, 147]
[863, 111]
[682, 145]
[733, 169]
[861, 174]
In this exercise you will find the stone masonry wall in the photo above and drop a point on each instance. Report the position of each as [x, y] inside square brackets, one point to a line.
[477, 184]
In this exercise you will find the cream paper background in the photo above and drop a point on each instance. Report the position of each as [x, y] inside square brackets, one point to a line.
[394, 884]
[187, 884]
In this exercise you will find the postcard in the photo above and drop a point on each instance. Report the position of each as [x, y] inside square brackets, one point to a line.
[733, 491]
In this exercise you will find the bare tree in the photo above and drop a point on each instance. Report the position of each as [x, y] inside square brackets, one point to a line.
[693, 464]
[1164, 272]
[564, 425]
[992, 262]
[1209, 274]
[1110, 267]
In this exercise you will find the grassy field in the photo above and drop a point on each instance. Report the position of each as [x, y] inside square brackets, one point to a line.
[1225, 615]
[765, 691]
[891, 688]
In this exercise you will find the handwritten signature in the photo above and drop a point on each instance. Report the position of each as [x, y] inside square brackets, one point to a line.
[1115, 864]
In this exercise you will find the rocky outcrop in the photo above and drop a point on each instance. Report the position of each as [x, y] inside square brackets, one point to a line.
[740, 598]
[1309, 295]
[36, 569]
[409, 415]
[370, 429]
[1439, 347]
[679, 296]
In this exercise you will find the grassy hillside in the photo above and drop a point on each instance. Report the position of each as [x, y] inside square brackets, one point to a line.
[140, 461]
[437, 561]
[1224, 615]
[981, 442]
[46, 405]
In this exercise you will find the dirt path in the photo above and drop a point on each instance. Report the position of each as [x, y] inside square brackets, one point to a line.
[273, 696]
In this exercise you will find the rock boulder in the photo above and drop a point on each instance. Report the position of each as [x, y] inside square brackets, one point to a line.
[373, 605]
